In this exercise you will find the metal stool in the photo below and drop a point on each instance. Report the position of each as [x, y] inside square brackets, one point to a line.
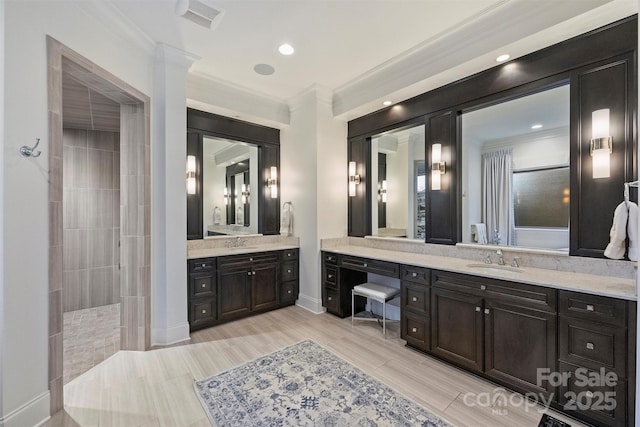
[376, 292]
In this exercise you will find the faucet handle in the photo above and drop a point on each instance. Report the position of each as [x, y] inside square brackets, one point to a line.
[514, 261]
[488, 260]
[499, 252]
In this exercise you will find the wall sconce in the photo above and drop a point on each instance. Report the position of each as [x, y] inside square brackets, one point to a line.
[245, 193]
[383, 191]
[438, 167]
[225, 194]
[191, 174]
[601, 144]
[353, 179]
[272, 182]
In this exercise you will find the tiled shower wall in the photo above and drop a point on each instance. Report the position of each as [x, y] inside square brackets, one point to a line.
[91, 218]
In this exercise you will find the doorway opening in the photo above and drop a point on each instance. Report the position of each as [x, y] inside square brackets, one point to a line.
[99, 217]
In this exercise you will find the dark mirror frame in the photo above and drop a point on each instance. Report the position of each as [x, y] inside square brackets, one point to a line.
[601, 67]
[266, 139]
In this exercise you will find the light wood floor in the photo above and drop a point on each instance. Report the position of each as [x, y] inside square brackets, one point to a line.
[155, 388]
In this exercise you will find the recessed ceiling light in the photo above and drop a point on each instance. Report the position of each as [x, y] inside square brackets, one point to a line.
[264, 69]
[286, 49]
[503, 58]
[387, 103]
[536, 126]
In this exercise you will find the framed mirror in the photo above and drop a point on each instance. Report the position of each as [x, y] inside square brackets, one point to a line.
[515, 172]
[398, 182]
[233, 170]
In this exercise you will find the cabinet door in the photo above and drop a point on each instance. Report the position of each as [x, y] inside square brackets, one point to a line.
[264, 288]
[518, 342]
[234, 293]
[456, 328]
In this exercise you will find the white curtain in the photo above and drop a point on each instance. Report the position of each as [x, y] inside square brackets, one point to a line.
[497, 196]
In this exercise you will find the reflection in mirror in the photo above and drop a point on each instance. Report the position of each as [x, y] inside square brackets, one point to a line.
[226, 197]
[398, 180]
[515, 172]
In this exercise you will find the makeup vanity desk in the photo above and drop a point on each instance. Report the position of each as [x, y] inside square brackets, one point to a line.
[504, 323]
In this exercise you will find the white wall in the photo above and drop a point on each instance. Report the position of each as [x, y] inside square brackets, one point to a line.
[2, 108]
[313, 161]
[25, 275]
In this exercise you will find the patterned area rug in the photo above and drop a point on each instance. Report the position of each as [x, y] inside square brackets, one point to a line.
[306, 385]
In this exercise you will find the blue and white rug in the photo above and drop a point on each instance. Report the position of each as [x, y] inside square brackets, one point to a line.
[305, 385]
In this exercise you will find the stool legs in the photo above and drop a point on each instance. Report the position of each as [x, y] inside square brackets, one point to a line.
[384, 319]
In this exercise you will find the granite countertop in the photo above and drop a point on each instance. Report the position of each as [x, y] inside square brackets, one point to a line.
[221, 251]
[579, 282]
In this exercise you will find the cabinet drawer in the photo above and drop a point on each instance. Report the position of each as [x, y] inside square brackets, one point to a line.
[530, 296]
[201, 265]
[330, 276]
[202, 313]
[202, 285]
[415, 274]
[288, 254]
[371, 266]
[289, 270]
[242, 260]
[415, 298]
[591, 401]
[592, 345]
[593, 307]
[415, 330]
[288, 292]
[457, 282]
[330, 258]
[332, 301]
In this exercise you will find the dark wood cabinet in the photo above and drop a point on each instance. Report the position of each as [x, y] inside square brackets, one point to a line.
[596, 336]
[337, 283]
[415, 307]
[234, 286]
[457, 328]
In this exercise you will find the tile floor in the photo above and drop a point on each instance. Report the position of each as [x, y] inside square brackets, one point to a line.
[90, 336]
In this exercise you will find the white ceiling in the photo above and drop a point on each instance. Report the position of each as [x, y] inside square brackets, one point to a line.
[343, 44]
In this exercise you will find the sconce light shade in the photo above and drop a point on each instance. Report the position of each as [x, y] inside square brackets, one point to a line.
[272, 182]
[438, 167]
[191, 174]
[601, 144]
[225, 194]
[354, 179]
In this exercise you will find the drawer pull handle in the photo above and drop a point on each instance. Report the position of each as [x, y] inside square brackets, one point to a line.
[483, 287]
[414, 299]
[478, 309]
[590, 307]
[204, 265]
[330, 276]
[590, 346]
[250, 259]
[330, 298]
[365, 264]
[288, 254]
[204, 285]
[248, 273]
[288, 271]
[486, 311]
[414, 274]
[254, 273]
[289, 291]
[414, 330]
[204, 311]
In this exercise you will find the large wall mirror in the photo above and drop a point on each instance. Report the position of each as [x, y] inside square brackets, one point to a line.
[516, 172]
[398, 177]
[227, 178]
[234, 160]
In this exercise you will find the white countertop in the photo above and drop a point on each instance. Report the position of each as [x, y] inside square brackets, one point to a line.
[579, 282]
[249, 249]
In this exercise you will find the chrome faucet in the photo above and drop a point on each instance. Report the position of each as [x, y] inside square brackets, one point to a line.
[514, 261]
[496, 237]
[500, 257]
[487, 260]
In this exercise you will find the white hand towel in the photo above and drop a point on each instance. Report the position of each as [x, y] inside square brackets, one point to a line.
[618, 233]
[632, 231]
[286, 220]
[217, 217]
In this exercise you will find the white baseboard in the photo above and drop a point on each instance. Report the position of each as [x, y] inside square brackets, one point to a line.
[314, 305]
[176, 334]
[32, 413]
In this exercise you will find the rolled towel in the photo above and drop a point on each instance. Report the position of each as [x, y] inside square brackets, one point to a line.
[479, 232]
[286, 220]
[632, 231]
[618, 233]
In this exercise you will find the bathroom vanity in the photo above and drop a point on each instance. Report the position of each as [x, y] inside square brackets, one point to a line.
[505, 323]
[230, 283]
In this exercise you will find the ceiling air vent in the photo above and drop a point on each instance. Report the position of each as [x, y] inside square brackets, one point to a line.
[197, 11]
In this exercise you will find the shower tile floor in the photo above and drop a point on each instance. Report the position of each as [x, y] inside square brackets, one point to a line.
[89, 337]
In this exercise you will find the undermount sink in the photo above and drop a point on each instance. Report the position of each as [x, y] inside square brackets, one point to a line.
[505, 268]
